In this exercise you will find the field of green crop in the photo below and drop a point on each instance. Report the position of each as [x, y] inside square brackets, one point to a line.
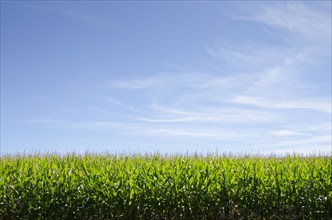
[165, 187]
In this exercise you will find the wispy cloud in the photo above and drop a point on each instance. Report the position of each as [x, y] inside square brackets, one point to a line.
[296, 18]
[214, 134]
[45, 120]
[255, 55]
[119, 103]
[287, 133]
[260, 102]
[136, 84]
[219, 114]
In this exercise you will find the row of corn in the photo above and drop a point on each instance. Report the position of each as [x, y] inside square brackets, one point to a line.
[165, 187]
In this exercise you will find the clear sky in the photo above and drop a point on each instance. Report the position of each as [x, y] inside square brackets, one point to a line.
[169, 77]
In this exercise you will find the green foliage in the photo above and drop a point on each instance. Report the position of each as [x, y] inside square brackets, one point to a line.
[163, 187]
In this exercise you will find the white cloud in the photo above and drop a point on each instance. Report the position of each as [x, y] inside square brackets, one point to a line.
[119, 103]
[324, 127]
[219, 114]
[263, 103]
[233, 56]
[45, 120]
[310, 22]
[256, 55]
[287, 133]
[215, 134]
[135, 84]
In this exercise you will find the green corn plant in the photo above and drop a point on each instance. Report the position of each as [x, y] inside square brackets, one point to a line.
[95, 186]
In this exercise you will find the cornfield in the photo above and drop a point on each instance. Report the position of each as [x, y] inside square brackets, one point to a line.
[156, 186]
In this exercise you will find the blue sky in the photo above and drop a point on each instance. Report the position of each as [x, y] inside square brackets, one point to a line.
[169, 77]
